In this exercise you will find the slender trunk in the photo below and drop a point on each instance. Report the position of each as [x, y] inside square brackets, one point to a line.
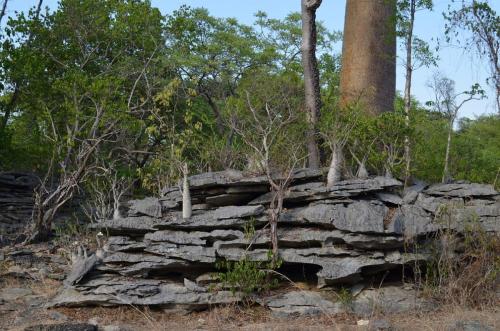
[446, 173]
[4, 8]
[407, 96]
[8, 109]
[276, 208]
[186, 196]
[217, 114]
[311, 78]
[335, 171]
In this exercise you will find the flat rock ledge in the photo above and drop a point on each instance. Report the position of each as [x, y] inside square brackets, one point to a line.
[354, 233]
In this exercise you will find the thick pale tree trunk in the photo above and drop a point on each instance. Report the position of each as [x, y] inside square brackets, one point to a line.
[335, 171]
[369, 55]
[407, 96]
[311, 78]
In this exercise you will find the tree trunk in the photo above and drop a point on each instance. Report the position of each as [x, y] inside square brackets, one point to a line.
[446, 172]
[4, 9]
[311, 78]
[186, 196]
[368, 71]
[407, 96]
[335, 171]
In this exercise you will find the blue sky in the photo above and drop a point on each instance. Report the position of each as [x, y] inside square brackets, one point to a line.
[454, 62]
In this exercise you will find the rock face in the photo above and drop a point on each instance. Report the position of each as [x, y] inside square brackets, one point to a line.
[16, 202]
[355, 231]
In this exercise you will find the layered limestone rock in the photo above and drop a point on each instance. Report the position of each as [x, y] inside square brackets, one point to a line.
[353, 232]
[16, 202]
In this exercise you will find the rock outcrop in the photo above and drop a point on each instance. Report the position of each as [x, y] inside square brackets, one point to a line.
[16, 202]
[353, 232]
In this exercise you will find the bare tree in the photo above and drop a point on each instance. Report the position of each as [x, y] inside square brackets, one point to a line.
[448, 102]
[417, 54]
[74, 168]
[480, 20]
[311, 78]
[261, 132]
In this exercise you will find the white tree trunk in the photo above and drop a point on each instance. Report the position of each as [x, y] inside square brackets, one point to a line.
[335, 171]
[407, 96]
[362, 172]
[186, 198]
[446, 172]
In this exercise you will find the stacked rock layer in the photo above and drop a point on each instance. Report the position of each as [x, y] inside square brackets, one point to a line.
[16, 202]
[353, 232]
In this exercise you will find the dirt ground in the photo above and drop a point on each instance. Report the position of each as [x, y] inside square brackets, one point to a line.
[240, 318]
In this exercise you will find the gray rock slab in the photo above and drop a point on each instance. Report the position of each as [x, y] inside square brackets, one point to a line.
[300, 303]
[390, 198]
[187, 253]
[192, 238]
[411, 221]
[128, 225]
[389, 300]
[123, 244]
[461, 190]
[148, 206]
[112, 292]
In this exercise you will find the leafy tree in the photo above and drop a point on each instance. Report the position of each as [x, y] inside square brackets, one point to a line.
[418, 54]
[448, 102]
[483, 25]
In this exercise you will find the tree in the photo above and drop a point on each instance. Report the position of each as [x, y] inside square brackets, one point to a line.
[369, 55]
[482, 22]
[311, 77]
[448, 102]
[3, 10]
[417, 55]
[210, 54]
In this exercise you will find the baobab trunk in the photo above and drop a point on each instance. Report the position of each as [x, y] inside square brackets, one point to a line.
[368, 71]
[311, 78]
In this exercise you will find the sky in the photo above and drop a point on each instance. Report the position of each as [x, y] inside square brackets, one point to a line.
[429, 26]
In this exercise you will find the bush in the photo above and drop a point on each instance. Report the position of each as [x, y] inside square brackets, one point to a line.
[464, 269]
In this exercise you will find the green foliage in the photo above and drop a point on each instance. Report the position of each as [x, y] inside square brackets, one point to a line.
[345, 297]
[175, 85]
[245, 276]
[479, 140]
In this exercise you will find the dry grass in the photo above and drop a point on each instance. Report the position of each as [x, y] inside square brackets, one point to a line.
[465, 271]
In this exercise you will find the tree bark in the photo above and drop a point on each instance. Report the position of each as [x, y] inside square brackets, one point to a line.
[4, 9]
[311, 78]
[407, 96]
[446, 172]
[186, 195]
[335, 171]
[368, 71]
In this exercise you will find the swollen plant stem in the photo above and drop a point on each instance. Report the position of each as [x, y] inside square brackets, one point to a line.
[334, 173]
[186, 196]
